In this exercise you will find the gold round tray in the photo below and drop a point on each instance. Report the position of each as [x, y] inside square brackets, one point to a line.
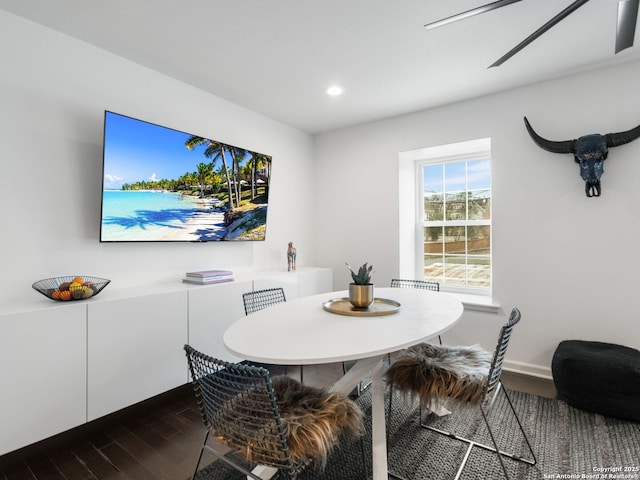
[380, 306]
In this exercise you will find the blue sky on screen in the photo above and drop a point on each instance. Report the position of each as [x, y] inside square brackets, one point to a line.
[136, 151]
[140, 151]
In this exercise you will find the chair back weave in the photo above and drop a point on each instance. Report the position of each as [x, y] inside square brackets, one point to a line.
[254, 301]
[493, 379]
[238, 406]
[423, 284]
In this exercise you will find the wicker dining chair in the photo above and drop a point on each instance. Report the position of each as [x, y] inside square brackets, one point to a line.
[274, 422]
[260, 299]
[421, 284]
[436, 373]
[257, 300]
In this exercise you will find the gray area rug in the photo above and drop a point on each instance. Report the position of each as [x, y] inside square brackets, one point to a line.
[568, 443]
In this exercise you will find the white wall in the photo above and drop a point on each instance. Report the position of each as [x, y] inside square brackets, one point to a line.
[570, 263]
[53, 93]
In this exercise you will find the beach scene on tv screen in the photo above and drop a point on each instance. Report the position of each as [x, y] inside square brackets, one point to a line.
[161, 184]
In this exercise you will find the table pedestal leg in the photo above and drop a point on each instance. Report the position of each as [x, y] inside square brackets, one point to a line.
[354, 375]
[347, 383]
[378, 433]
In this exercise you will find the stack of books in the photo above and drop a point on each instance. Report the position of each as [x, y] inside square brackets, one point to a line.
[207, 277]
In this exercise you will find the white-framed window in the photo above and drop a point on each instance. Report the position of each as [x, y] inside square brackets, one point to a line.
[448, 214]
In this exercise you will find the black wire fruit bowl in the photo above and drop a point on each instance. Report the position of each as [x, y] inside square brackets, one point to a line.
[72, 287]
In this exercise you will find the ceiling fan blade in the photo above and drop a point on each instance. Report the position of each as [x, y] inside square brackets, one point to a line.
[627, 19]
[554, 21]
[470, 13]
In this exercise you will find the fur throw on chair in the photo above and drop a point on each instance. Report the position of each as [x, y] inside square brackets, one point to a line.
[312, 420]
[434, 373]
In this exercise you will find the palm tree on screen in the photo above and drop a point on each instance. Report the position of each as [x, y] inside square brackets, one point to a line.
[205, 172]
[237, 154]
[258, 161]
[213, 151]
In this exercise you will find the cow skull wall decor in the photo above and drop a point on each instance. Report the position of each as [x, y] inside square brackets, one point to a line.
[589, 151]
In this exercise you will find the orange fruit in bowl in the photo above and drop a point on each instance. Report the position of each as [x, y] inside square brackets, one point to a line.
[65, 295]
[56, 295]
[79, 280]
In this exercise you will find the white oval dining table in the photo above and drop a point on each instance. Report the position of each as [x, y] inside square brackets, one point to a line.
[302, 332]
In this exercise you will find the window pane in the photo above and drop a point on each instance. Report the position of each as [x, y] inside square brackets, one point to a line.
[455, 271]
[433, 207]
[433, 268]
[479, 174]
[480, 205]
[455, 240]
[479, 242]
[432, 179]
[455, 177]
[456, 206]
[478, 271]
[433, 240]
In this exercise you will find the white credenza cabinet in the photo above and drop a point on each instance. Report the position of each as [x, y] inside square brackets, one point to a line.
[211, 310]
[62, 365]
[134, 350]
[43, 373]
[311, 282]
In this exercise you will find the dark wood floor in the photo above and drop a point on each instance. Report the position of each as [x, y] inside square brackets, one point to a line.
[158, 439]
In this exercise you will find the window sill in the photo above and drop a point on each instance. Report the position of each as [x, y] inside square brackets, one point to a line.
[477, 303]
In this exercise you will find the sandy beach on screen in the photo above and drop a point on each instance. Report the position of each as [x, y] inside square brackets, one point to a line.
[207, 223]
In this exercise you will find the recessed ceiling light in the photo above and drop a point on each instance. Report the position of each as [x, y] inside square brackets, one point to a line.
[334, 90]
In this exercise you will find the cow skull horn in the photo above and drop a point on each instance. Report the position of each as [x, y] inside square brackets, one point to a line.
[617, 139]
[567, 146]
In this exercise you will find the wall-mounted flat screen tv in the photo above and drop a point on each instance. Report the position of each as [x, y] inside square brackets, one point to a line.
[163, 185]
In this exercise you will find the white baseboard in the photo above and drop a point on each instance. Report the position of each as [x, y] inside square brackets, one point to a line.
[528, 369]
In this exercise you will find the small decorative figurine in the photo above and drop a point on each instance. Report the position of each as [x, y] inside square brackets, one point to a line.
[291, 257]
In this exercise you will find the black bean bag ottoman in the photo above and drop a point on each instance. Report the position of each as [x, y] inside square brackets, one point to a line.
[598, 377]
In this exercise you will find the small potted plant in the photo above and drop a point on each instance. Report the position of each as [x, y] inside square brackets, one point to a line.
[361, 290]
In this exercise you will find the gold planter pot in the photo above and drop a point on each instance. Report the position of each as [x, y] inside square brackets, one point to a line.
[361, 296]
